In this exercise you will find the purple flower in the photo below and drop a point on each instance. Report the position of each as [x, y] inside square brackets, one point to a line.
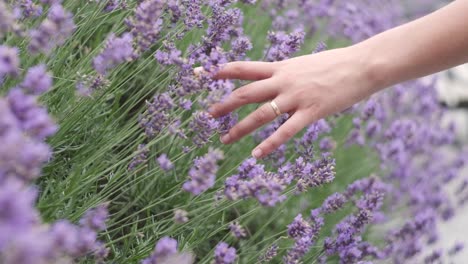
[20, 156]
[7, 20]
[158, 115]
[224, 254]
[456, 248]
[164, 162]
[165, 248]
[203, 125]
[180, 216]
[193, 15]
[269, 254]
[301, 246]
[321, 172]
[333, 203]
[284, 45]
[53, 31]
[239, 48]
[95, 218]
[434, 257]
[51, 2]
[202, 175]
[34, 119]
[9, 61]
[227, 122]
[116, 51]
[146, 23]
[299, 228]
[327, 144]
[237, 230]
[17, 212]
[27, 8]
[186, 104]
[140, 158]
[37, 80]
[112, 5]
[321, 46]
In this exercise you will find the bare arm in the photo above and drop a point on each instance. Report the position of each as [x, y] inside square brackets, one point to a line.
[428, 45]
[315, 86]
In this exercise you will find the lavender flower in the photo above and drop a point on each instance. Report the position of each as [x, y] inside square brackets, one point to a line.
[9, 61]
[37, 80]
[300, 248]
[193, 15]
[237, 230]
[53, 31]
[164, 162]
[116, 51]
[321, 46]
[16, 210]
[202, 175]
[157, 116]
[456, 248]
[333, 203]
[185, 104]
[112, 5]
[284, 45]
[140, 158]
[164, 249]
[203, 125]
[321, 172]
[299, 228]
[180, 216]
[34, 118]
[224, 254]
[269, 254]
[95, 218]
[7, 21]
[146, 23]
[227, 122]
[240, 46]
[434, 257]
[28, 8]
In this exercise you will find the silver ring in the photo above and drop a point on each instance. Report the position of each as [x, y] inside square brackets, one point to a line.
[275, 108]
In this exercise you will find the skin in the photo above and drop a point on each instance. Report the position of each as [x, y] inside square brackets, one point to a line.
[315, 86]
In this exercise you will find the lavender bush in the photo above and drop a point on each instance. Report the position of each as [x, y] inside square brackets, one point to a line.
[109, 154]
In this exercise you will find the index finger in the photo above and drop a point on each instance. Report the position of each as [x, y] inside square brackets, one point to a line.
[244, 70]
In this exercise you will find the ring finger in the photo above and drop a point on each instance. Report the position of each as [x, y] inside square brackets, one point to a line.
[261, 116]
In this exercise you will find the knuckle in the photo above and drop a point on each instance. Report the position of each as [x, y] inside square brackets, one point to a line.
[287, 79]
[270, 145]
[241, 94]
[260, 115]
[235, 132]
[287, 133]
[236, 68]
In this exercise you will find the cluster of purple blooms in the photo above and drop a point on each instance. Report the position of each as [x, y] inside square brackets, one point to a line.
[24, 127]
[202, 175]
[53, 31]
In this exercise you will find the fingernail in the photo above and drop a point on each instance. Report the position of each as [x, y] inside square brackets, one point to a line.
[257, 153]
[198, 70]
[225, 138]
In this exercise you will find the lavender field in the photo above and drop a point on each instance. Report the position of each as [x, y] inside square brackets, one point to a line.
[108, 153]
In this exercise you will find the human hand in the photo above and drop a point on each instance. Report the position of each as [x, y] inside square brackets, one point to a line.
[308, 88]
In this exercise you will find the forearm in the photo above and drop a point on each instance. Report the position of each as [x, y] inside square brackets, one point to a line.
[428, 45]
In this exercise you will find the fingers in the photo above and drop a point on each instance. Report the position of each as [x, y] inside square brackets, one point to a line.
[285, 132]
[246, 70]
[264, 114]
[256, 92]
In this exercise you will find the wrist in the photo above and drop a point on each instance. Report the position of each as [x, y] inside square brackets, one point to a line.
[374, 66]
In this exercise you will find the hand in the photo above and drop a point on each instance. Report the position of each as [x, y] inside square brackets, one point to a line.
[308, 88]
